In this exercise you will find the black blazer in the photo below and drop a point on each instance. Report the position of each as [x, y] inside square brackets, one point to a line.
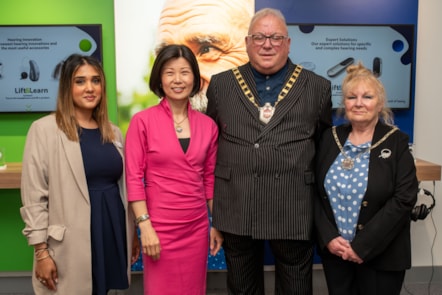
[264, 176]
[383, 232]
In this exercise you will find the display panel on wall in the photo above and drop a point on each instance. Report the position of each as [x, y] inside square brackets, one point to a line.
[31, 57]
[385, 49]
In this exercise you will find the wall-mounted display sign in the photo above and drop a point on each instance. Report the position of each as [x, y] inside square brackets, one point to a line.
[31, 57]
[385, 49]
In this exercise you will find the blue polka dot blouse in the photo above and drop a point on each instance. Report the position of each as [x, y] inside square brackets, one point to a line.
[346, 187]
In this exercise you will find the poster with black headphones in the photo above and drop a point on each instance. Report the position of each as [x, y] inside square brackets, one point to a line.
[421, 211]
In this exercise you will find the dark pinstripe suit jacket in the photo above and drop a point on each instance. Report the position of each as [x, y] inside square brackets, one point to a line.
[264, 185]
[383, 236]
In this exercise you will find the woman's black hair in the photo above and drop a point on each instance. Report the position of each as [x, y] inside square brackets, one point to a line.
[167, 53]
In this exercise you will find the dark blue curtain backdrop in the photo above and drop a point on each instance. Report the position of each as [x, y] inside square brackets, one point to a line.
[364, 12]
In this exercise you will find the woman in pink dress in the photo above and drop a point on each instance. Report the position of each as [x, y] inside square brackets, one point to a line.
[170, 162]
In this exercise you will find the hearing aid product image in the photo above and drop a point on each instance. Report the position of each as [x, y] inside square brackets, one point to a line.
[34, 71]
[377, 65]
[337, 69]
[29, 69]
[24, 68]
[57, 70]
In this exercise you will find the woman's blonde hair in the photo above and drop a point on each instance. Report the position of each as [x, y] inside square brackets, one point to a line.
[65, 112]
[358, 72]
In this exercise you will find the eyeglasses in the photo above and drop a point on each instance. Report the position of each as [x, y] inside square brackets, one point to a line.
[275, 40]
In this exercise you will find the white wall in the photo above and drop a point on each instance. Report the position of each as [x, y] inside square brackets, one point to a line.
[428, 126]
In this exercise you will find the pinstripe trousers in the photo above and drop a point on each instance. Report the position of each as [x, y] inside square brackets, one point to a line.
[245, 258]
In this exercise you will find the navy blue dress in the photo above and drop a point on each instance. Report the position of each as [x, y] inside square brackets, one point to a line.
[103, 166]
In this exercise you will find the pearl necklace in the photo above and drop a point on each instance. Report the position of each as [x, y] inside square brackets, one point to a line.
[348, 162]
[178, 127]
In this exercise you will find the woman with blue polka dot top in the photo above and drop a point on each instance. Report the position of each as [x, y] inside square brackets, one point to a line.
[367, 187]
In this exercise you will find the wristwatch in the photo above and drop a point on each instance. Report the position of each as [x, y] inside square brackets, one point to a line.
[142, 218]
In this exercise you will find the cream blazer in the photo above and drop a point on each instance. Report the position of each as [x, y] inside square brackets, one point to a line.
[56, 207]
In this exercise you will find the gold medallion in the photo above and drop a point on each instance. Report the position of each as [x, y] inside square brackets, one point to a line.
[348, 163]
[266, 112]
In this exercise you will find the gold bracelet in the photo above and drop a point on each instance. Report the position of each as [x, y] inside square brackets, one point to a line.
[142, 218]
[39, 251]
[44, 257]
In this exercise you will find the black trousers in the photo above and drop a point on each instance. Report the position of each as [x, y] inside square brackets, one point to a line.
[348, 278]
[245, 258]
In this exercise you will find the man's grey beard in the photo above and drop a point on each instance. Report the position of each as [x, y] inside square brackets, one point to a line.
[199, 102]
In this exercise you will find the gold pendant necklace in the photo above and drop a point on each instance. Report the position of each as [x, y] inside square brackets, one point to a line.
[348, 162]
[266, 112]
[178, 127]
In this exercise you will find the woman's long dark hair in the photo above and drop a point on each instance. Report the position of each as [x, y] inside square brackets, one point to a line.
[65, 112]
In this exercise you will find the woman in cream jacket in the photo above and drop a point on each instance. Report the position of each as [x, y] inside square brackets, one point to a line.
[73, 193]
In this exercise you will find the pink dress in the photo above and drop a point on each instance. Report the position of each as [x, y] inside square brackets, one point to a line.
[176, 187]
